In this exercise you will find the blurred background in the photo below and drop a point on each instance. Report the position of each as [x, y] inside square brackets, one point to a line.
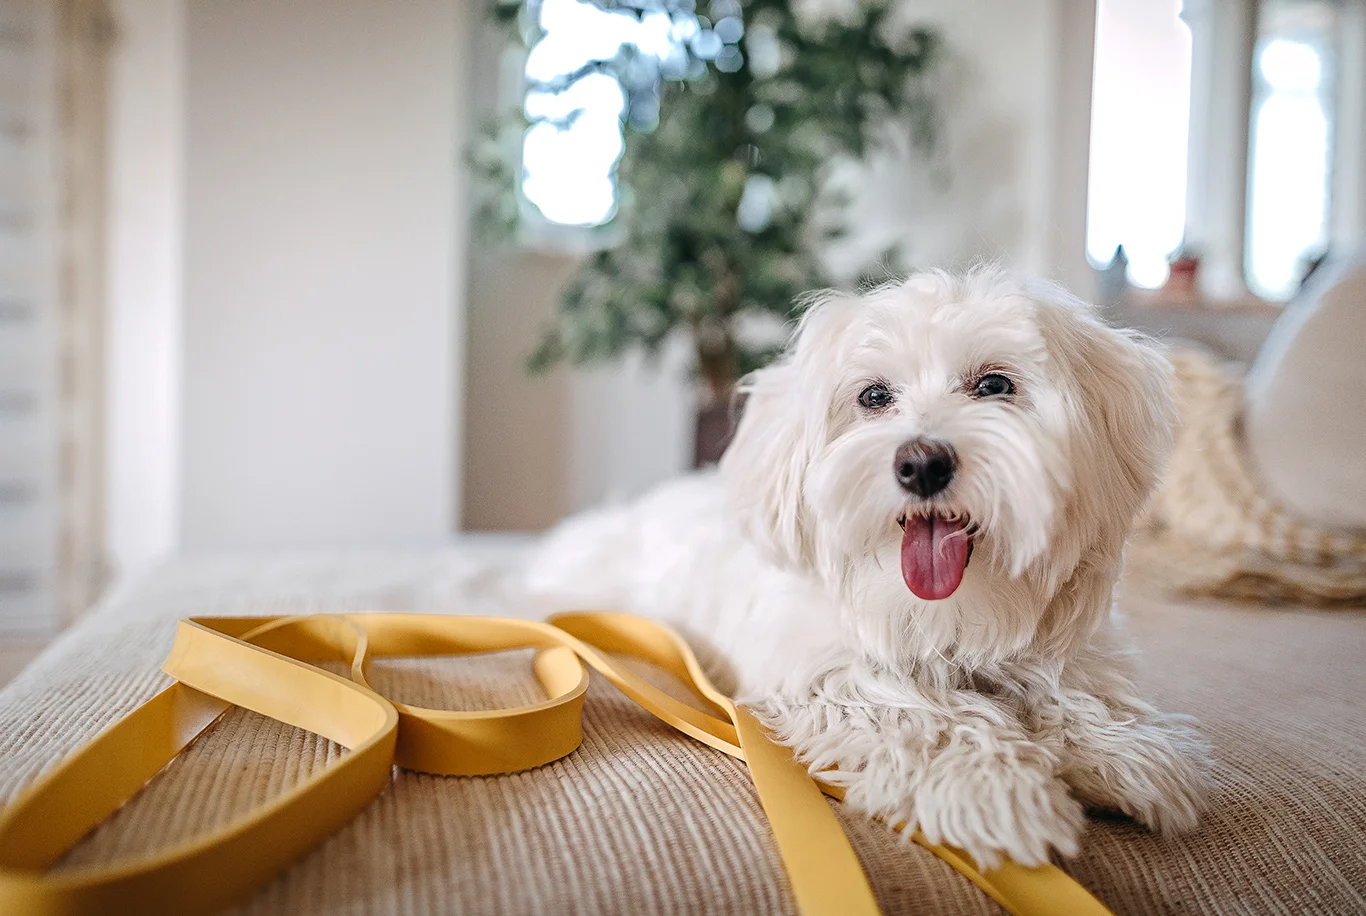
[277, 275]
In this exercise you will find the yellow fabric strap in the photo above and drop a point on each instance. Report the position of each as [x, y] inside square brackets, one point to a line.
[267, 665]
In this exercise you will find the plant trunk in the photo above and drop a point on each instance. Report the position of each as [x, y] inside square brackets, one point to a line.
[718, 373]
[714, 429]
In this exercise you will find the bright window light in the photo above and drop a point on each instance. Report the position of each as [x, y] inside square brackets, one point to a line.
[1140, 113]
[570, 152]
[1288, 186]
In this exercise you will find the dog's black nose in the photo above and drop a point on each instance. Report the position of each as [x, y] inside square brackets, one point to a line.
[924, 466]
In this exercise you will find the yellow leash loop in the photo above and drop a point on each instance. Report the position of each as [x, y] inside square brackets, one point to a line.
[266, 665]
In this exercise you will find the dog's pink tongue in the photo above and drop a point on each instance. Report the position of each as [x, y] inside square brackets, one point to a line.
[934, 553]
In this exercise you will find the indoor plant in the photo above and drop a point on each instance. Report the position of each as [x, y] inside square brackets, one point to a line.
[730, 137]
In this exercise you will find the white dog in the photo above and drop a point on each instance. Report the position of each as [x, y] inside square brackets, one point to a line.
[909, 555]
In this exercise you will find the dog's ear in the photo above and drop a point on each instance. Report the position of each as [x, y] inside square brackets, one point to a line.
[786, 416]
[765, 465]
[1124, 385]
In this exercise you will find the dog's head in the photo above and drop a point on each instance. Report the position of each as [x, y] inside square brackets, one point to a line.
[955, 448]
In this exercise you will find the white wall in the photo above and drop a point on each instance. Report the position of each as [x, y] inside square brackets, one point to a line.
[324, 252]
[633, 426]
[146, 134]
[1007, 179]
[516, 425]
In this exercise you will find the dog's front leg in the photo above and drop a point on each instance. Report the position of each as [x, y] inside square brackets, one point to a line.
[1117, 751]
[953, 764]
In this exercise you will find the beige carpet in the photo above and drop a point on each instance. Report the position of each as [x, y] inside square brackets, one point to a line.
[641, 820]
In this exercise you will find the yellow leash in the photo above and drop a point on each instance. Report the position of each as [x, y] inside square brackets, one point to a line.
[266, 665]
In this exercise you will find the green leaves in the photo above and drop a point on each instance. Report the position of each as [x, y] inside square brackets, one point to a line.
[726, 156]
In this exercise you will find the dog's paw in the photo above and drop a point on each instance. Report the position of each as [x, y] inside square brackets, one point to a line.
[993, 803]
[1156, 770]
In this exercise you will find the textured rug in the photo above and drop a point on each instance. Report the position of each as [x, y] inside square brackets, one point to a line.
[641, 820]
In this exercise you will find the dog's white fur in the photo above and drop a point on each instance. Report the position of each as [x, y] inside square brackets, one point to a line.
[985, 720]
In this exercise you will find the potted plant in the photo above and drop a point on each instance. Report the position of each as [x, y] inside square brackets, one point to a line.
[723, 201]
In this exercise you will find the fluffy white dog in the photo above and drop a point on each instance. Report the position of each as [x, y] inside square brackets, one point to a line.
[908, 560]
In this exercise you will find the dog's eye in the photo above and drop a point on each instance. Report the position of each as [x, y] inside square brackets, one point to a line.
[993, 385]
[875, 397]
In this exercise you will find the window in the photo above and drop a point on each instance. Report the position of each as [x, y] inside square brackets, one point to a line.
[1140, 119]
[1167, 134]
[576, 104]
[1289, 144]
